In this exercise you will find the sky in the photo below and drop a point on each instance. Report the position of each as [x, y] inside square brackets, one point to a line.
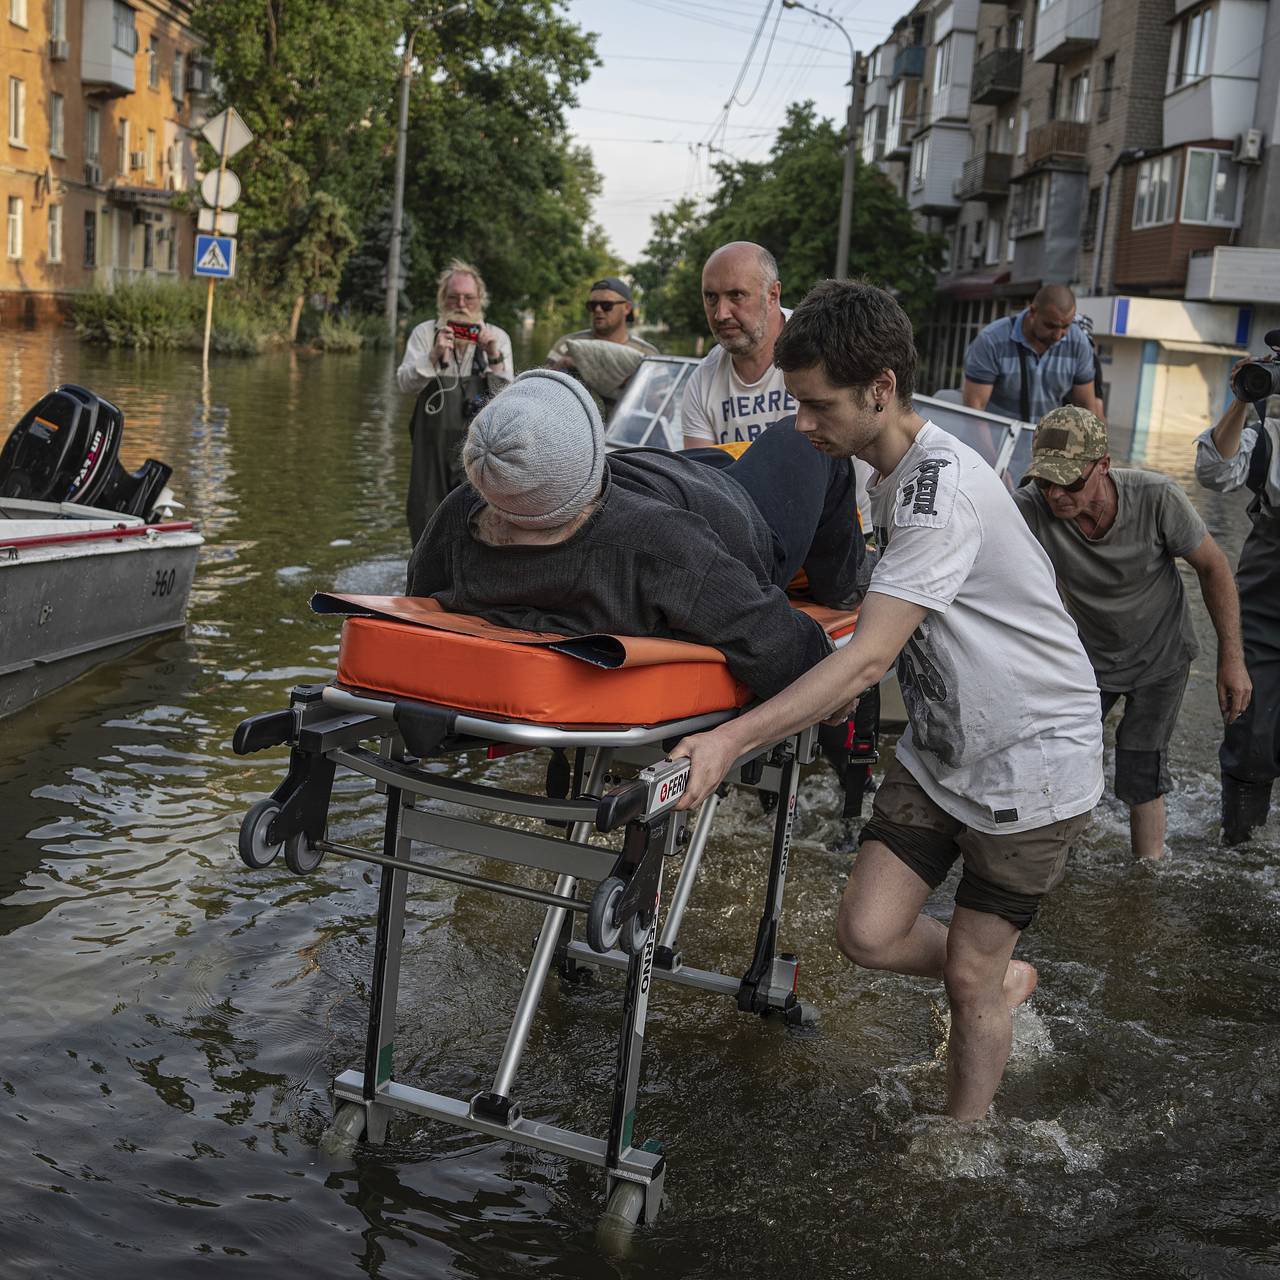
[649, 113]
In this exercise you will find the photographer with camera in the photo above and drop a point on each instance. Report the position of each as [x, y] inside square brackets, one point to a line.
[455, 363]
[1229, 456]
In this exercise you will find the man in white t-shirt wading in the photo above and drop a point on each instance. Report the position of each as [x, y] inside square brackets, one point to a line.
[1002, 760]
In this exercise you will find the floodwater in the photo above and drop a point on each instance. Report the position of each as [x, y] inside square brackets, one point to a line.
[172, 1020]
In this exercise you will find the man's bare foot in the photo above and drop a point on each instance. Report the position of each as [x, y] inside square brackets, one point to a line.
[1019, 982]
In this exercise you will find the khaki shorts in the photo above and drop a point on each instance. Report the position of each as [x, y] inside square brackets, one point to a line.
[1004, 875]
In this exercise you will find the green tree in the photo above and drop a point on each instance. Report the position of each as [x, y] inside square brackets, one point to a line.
[790, 203]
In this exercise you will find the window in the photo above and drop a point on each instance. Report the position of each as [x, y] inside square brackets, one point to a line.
[895, 115]
[942, 64]
[57, 124]
[17, 112]
[18, 12]
[1157, 195]
[55, 233]
[1078, 98]
[873, 67]
[1212, 195]
[148, 246]
[869, 123]
[91, 238]
[1005, 133]
[58, 20]
[1024, 125]
[151, 155]
[995, 240]
[978, 228]
[1027, 206]
[179, 75]
[919, 162]
[1089, 226]
[14, 227]
[122, 147]
[1191, 47]
[1017, 27]
[173, 249]
[92, 135]
[1108, 83]
[1044, 4]
[153, 62]
[124, 35]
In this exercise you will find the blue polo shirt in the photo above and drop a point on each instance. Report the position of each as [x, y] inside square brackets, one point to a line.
[993, 361]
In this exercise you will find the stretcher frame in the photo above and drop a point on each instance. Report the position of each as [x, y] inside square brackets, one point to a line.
[326, 727]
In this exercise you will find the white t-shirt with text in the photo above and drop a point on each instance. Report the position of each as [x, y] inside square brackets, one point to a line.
[1005, 729]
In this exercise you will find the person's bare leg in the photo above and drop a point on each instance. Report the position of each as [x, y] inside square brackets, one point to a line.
[879, 925]
[1147, 826]
[979, 949]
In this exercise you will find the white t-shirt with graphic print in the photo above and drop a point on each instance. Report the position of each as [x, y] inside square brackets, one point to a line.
[1005, 732]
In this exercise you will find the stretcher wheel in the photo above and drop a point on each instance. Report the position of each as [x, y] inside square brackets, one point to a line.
[602, 931]
[300, 855]
[635, 933]
[617, 1224]
[254, 850]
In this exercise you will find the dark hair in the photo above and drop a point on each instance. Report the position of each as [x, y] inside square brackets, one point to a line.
[855, 331]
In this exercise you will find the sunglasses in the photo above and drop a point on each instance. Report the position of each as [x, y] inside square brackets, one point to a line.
[1074, 487]
[602, 305]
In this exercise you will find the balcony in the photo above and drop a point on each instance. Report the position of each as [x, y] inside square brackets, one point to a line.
[985, 177]
[908, 63]
[897, 140]
[1231, 273]
[1059, 140]
[1066, 28]
[106, 61]
[997, 77]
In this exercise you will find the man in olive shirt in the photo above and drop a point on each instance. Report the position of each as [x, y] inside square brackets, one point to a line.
[1113, 537]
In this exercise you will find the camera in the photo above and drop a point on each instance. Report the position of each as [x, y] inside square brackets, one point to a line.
[1259, 379]
[473, 404]
[463, 332]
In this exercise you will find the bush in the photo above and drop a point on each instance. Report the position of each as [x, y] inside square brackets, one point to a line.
[336, 334]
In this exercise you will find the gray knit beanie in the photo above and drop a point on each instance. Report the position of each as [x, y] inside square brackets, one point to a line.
[535, 452]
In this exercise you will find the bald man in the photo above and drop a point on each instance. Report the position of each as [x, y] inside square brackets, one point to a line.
[736, 393]
[1026, 365]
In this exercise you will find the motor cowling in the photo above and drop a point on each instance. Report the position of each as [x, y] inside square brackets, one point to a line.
[65, 449]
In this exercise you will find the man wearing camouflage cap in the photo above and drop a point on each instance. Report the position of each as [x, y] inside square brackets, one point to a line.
[1113, 536]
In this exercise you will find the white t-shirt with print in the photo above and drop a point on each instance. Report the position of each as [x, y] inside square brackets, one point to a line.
[1005, 732]
[720, 408]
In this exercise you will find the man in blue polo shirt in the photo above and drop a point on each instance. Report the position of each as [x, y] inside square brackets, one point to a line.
[1025, 365]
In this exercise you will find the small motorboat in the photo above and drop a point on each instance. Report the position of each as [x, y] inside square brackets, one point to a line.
[91, 561]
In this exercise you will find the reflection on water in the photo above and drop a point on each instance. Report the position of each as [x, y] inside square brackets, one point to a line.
[172, 1020]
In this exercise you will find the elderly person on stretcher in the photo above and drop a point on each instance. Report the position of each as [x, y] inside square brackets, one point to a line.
[550, 534]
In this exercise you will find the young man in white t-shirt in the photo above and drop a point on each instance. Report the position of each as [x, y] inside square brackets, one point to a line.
[1002, 761]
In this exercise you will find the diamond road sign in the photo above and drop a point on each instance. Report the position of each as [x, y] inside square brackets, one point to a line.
[216, 257]
[226, 133]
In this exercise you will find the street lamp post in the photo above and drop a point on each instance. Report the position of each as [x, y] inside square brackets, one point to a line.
[846, 191]
[397, 200]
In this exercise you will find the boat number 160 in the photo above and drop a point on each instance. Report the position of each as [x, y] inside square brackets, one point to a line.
[164, 582]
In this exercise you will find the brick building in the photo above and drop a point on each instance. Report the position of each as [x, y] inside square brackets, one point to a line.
[100, 100]
[1124, 147]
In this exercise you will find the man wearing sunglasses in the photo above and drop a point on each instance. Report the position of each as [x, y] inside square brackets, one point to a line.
[611, 311]
[1114, 536]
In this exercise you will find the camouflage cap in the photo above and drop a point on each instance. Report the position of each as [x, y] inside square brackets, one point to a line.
[1065, 442]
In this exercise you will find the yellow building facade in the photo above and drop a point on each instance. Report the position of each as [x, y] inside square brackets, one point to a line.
[100, 101]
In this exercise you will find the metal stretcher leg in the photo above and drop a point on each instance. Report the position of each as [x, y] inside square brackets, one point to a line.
[497, 1103]
[666, 956]
[769, 984]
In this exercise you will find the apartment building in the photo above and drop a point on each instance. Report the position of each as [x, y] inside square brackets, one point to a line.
[1125, 147]
[100, 100]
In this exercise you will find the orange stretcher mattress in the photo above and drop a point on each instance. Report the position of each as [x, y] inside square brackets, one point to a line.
[406, 647]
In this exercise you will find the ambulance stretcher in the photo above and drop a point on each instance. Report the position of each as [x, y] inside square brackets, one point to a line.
[415, 685]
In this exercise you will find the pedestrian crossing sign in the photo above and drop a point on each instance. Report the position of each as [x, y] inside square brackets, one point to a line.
[215, 256]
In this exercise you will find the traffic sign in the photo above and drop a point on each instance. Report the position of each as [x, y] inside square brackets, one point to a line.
[226, 133]
[227, 223]
[220, 188]
[215, 256]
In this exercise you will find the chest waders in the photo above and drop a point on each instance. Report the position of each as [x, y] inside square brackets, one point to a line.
[435, 467]
[1250, 752]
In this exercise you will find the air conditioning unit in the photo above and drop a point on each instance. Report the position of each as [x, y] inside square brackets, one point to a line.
[92, 173]
[1248, 148]
[59, 50]
[137, 159]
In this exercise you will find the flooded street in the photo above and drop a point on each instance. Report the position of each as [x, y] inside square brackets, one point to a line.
[172, 1021]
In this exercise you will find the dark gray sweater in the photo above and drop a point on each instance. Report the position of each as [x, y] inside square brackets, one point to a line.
[653, 559]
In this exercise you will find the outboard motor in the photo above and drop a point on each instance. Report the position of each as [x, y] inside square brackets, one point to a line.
[64, 450]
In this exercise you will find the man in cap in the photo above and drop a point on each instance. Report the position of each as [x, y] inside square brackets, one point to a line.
[551, 535]
[611, 309]
[1113, 536]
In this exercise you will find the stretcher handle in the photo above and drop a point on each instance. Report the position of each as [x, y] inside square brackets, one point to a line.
[270, 729]
[621, 805]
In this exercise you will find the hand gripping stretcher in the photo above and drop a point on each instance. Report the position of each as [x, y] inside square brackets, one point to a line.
[416, 685]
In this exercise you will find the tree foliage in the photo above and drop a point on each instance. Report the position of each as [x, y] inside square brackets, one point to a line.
[790, 203]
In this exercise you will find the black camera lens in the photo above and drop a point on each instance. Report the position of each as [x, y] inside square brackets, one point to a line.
[472, 405]
[1253, 382]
